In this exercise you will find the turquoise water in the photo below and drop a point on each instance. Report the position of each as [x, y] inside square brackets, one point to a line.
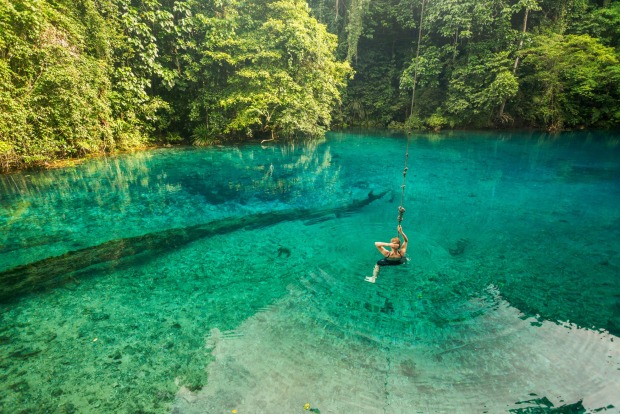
[232, 278]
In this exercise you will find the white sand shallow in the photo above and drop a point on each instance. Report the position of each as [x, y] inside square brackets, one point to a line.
[288, 355]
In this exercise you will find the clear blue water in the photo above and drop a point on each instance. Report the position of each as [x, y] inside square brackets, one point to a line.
[176, 291]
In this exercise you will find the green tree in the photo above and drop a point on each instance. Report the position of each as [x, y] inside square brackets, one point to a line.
[66, 88]
[478, 87]
[53, 96]
[276, 72]
[603, 24]
[571, 81]
[469, 57]
[527, 6]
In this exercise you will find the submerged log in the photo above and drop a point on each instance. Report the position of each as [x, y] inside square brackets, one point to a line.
[56, 270]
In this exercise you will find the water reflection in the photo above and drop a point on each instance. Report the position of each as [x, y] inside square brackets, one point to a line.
[51, 212]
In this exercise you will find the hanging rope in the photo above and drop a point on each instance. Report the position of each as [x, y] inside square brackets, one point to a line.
[401, 209]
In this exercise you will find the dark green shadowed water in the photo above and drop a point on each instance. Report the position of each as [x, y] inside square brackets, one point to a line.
[212, 280]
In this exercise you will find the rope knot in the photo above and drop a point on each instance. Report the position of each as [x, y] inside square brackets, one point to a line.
[401, 211]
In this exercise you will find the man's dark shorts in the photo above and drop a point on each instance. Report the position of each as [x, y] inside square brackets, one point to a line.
[386, 262]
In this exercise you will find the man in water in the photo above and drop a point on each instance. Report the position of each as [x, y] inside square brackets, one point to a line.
[392, 257]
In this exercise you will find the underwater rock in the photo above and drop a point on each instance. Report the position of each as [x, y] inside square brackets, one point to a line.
[460, 247]
[544, 405]
[284, 251]
[408, 368]
[20, 386]
[99, 316]
[25, 353]
[388, 307]
[68, 408]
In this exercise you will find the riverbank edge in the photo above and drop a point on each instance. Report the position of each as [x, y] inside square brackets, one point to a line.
[71, 162]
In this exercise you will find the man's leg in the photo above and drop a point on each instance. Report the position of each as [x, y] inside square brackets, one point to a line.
[375, 273]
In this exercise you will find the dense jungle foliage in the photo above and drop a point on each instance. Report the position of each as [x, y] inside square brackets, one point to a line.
[549, 64]
[91, 76]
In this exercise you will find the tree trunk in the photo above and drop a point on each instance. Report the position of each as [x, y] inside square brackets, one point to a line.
[417, 57]
[516, 65]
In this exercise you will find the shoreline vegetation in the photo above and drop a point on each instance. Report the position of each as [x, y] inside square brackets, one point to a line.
[61, 163]
[96, 77]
